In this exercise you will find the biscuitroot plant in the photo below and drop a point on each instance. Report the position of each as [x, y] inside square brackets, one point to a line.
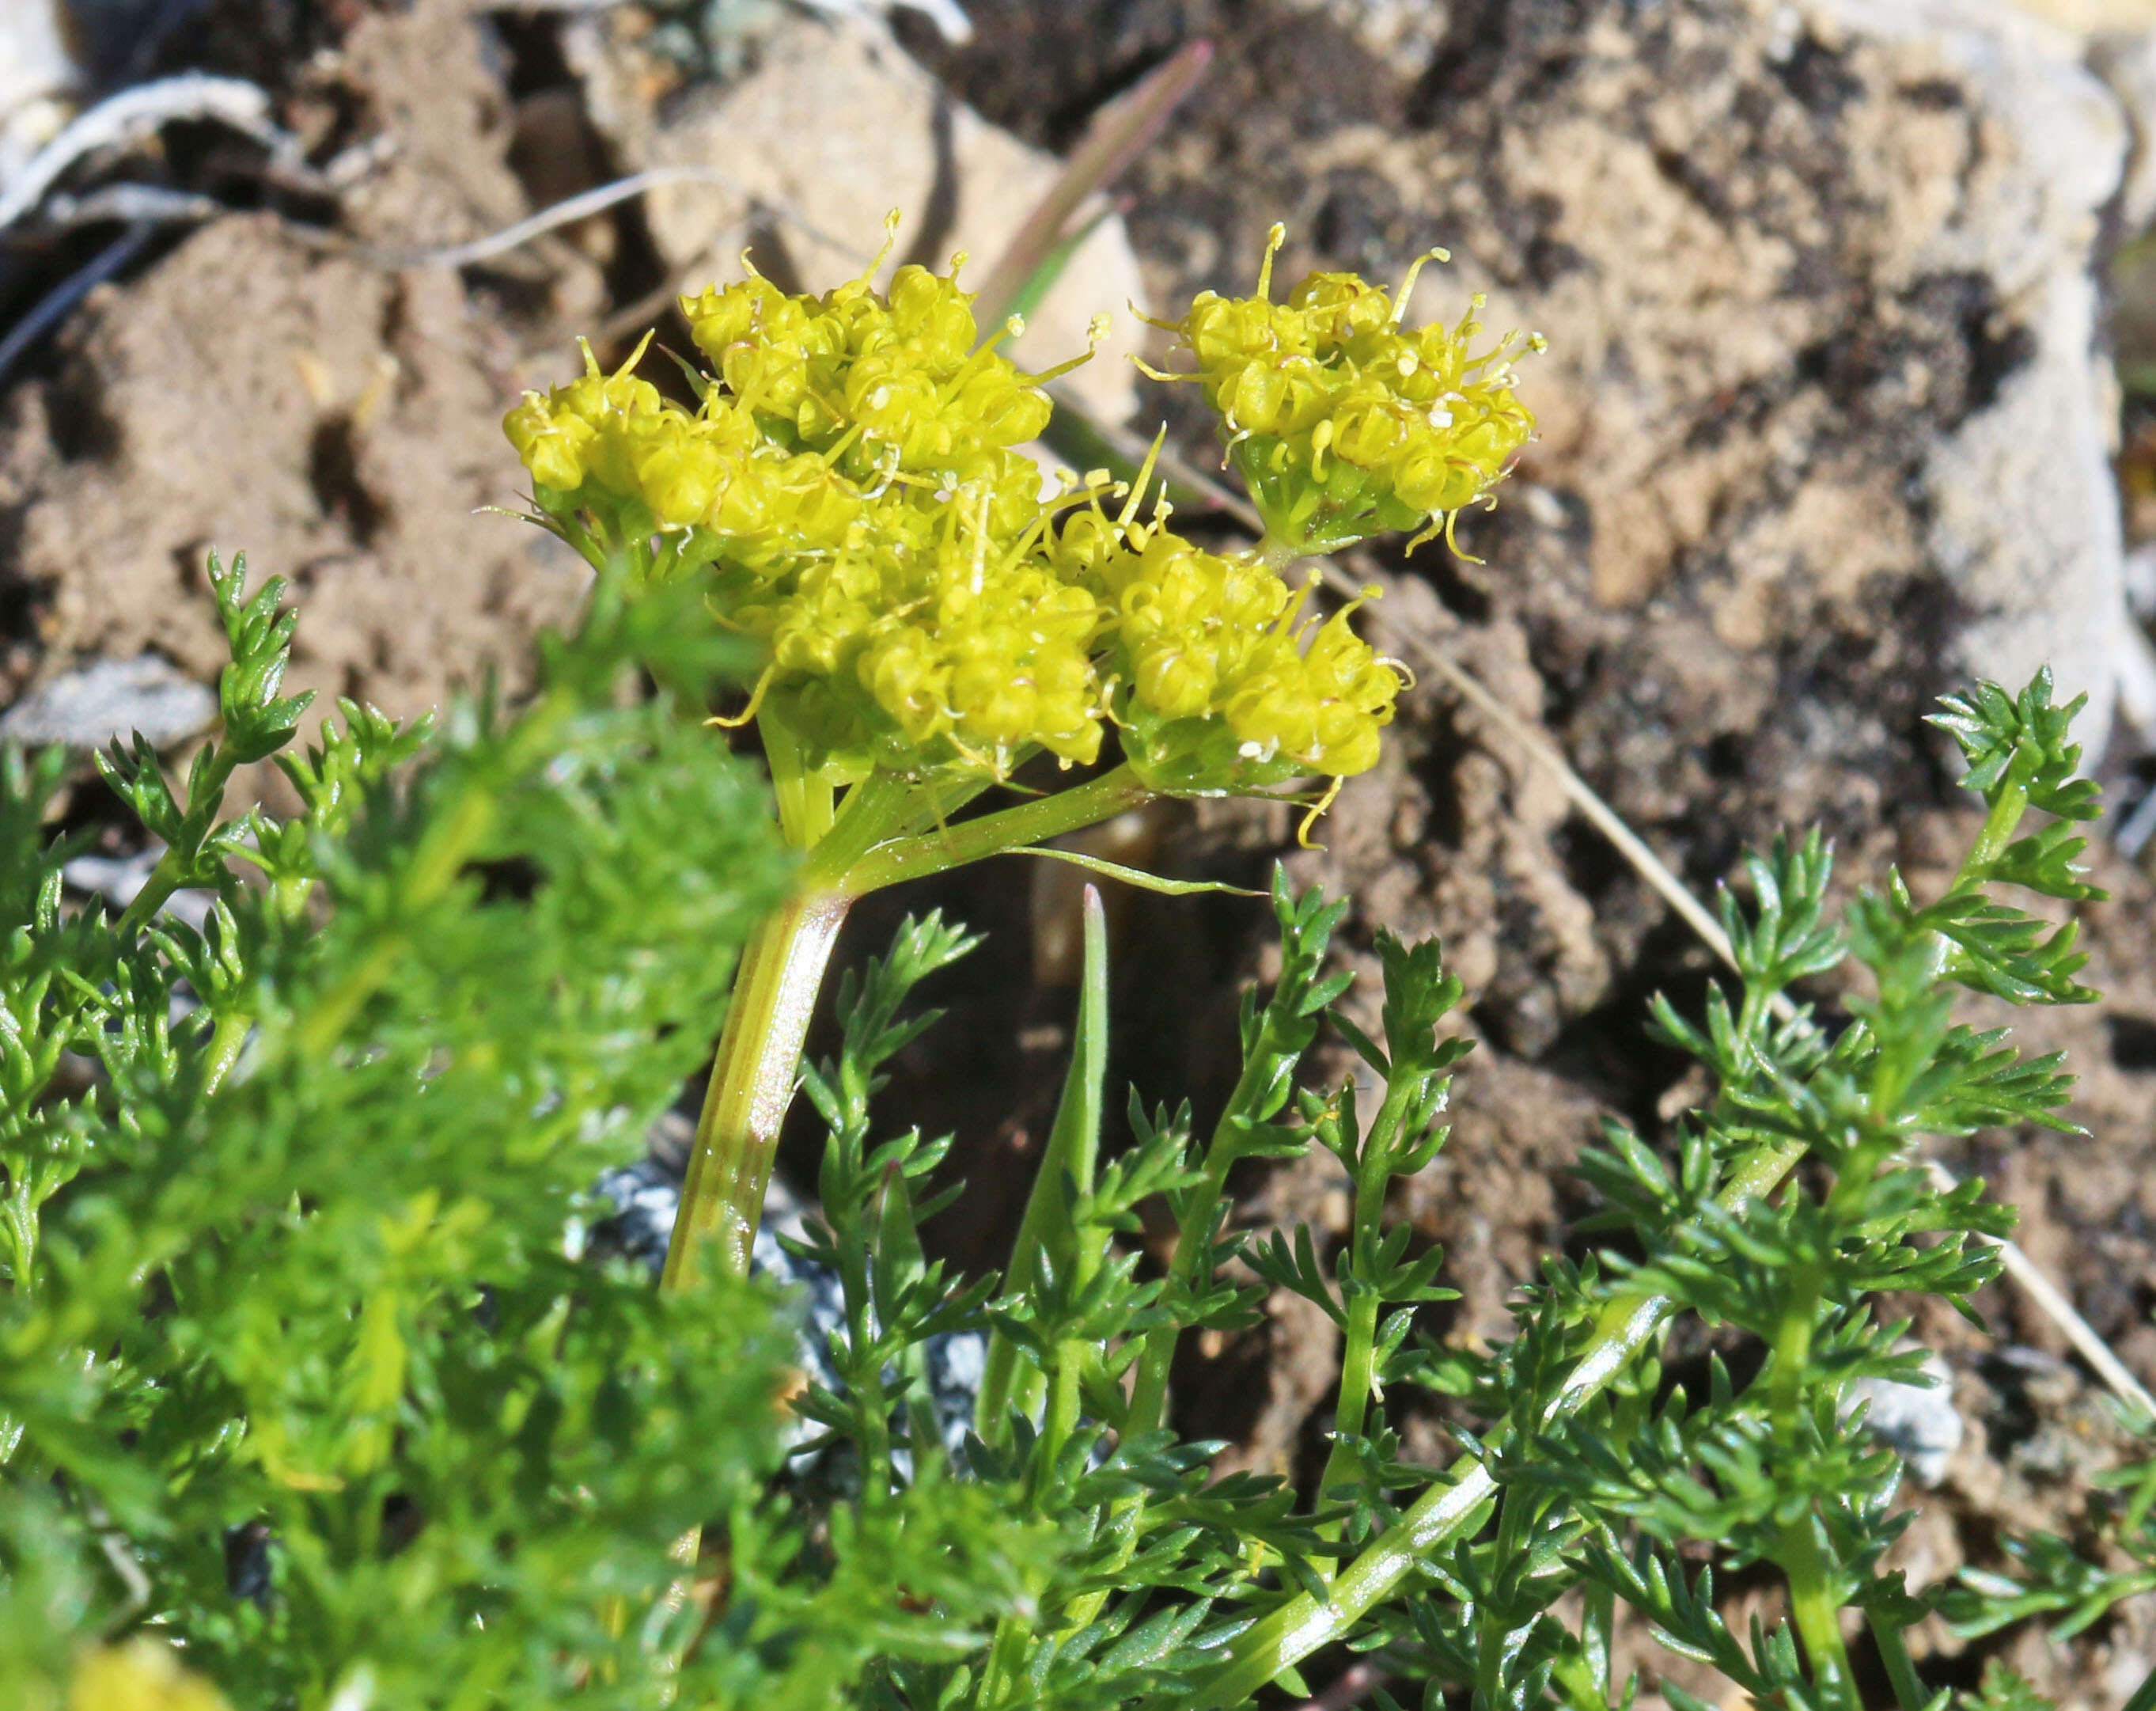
[325, 1383]
[848, 491]
[1782, 1215]
[320, 1390]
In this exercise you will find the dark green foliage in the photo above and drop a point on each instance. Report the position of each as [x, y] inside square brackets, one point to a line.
[301, 1364]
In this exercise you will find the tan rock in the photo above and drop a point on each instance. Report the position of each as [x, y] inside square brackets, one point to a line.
[337, 421]
[835, 128]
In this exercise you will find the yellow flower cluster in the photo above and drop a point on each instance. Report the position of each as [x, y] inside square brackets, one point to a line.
[139, 1675]
[891, 383]
[964, 652]
[610, 448]
[848, 476]
[1216, 676]
[1343, 423]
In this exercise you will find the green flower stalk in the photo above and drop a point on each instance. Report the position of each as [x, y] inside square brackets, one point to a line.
[849, 488]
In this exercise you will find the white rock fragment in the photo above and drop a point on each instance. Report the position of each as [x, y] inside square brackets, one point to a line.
[36, 79]
[87, 709]
[1919, 1423]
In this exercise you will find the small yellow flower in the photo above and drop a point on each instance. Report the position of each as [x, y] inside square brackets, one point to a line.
[140, 1675]
[1216, 680]
[1343, 423]
[850, 480]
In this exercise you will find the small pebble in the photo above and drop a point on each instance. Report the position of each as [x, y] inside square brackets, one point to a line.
[87, 709]
[1919, 1424]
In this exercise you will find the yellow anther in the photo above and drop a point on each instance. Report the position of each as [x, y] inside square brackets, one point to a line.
[1415, 273]
[1316, 813]
[1274, 239]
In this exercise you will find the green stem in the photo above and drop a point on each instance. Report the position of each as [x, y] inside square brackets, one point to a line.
[2144, 1696]
[806, 804]
[1373, 1175]
[1006, 1658]
[205, 796]
[164, 879]
[1812, 1601]
[1357, 1362]
[1029, 823]
[752, 1081]
[1817, 1611]
[757, 1061]
[1060, 1418]
[1199, 1212]
[1442, 1514]
[862, 1366]
[1792, 1357]
[1908, 1691]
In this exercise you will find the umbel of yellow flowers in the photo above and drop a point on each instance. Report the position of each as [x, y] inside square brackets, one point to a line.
[851, 483]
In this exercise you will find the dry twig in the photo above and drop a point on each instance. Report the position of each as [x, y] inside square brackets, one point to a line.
[133, 114]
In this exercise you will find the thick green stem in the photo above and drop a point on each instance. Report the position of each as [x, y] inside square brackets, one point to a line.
[1792, 1357]
[1816, 1610]
[752, 1081]
[1813, 1602]
[1358, 1363]
[782, 969]
[757, 1061]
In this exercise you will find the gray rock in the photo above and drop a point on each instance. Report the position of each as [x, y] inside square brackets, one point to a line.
[1919, 1423]
[87, 708]
[2020, 506]
[645, 1195]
